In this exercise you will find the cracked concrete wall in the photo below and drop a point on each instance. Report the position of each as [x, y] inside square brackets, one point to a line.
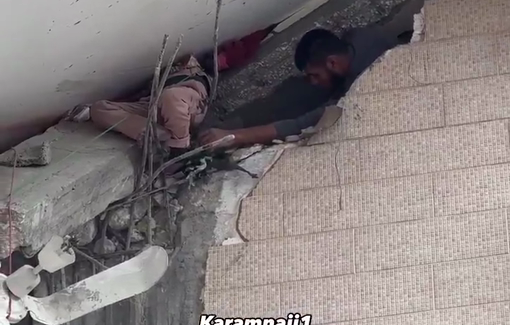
[58, 54]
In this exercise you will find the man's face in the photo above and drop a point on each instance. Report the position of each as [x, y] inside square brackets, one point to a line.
[329, 74]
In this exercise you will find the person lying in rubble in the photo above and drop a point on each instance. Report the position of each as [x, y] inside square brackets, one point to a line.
[181, 108]
[330, 64]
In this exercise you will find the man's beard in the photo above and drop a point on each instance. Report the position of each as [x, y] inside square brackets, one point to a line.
[337, 85]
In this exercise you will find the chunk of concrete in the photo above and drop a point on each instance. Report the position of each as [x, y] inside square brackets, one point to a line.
[85, 234]
[28, 154]
[85, 175]
[119, 218]
[105, 246]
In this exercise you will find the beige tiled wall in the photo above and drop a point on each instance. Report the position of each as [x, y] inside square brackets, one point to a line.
[397, 215]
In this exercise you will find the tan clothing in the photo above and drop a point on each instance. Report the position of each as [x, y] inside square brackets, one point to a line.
[181, 107]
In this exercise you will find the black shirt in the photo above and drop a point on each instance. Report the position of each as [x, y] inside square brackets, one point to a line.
[368, 44]
[296, 104]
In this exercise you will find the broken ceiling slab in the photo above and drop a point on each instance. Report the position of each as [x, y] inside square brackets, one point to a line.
[84, 176]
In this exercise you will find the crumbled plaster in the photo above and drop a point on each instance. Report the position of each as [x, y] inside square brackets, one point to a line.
[235, 186]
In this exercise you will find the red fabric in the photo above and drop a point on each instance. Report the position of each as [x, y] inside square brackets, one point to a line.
[237, 53]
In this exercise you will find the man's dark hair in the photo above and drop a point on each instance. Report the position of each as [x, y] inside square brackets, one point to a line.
[316, 45]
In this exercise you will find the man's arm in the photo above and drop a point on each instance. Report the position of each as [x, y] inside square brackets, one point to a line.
[265, 134]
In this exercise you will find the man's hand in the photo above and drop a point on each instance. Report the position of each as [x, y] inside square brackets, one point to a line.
[212, 135]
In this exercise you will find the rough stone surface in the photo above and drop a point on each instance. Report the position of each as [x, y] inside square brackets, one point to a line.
[86, 233]
[28, 154]
[73, 189]
[119, 218]
[105, 246]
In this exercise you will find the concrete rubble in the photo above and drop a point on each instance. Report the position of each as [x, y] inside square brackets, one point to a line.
[86, 233]
[74, 188]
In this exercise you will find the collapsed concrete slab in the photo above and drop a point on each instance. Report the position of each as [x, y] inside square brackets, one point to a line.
[84, 176]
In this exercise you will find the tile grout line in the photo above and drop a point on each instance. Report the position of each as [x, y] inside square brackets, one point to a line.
[378, 225]
[425, 173]
[498, 50]
[434, 201]
[423, 130]
[360, 165]
[508, 128]
[507, 231]
[417, 266]
[433, 287]
[355, 321]
[280, 300]
[443, 105]
[366, 181]
[491, 75]
[354, 250]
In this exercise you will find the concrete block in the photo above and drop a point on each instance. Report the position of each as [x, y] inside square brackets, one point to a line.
[313, 166]
[472, 282]
[359, 296]
[455, 59]
[72, 189]
[504, 52]
[431, 240]
[86, 233]
[473, 189]
[261, 217]
[388, 201]
[120, 218]
[30, 154]
[391, 71]
[313, 211]
[261, 301]
[435, 150]
[280, 260]
[477, 100]
[395, 111]
[447, 19]
[490, 314]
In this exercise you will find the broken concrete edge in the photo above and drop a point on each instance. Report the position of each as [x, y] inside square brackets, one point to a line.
[236, 186]
[32, 236]
[38, 155]
[62, 197]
